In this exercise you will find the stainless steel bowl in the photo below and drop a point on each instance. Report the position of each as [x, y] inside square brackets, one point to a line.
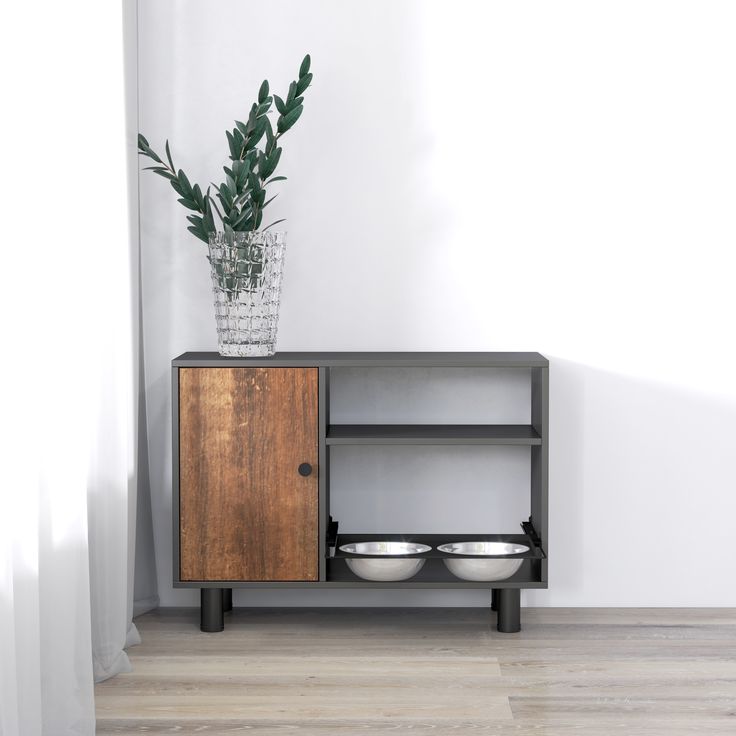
[390, 568]
[482, 569]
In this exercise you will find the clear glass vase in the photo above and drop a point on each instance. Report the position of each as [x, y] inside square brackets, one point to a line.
[246, 282]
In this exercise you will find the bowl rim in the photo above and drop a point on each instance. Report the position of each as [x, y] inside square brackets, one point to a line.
[417, 548]
[518, 549]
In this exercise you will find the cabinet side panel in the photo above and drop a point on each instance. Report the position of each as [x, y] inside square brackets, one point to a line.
[540, 459]
[245, 511]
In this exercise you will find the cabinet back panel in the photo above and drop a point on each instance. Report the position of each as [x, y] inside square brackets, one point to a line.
[430, 395]
[245, 511]
[481, 489]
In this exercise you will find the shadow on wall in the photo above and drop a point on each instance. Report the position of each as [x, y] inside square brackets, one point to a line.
[641, 491]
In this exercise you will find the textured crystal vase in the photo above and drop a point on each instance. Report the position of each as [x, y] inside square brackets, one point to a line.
[246, 282]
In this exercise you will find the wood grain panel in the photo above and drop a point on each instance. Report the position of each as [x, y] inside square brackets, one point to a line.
[245, 512]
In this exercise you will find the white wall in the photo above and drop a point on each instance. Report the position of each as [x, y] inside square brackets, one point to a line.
[541, 176]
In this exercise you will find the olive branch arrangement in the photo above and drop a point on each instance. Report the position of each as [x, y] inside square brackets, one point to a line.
[242, 195]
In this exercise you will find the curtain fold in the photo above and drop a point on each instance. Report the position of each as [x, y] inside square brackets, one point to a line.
[142, 554]
[70, 389]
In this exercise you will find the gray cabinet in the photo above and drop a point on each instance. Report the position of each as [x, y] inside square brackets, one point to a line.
[332, 569]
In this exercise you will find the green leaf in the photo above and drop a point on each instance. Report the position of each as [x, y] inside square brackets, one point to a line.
[270, 199]
[252, 118]
[209, 221]
[241, 169]
[258, 132]
[264, 107]
[270, 165]
[303, 83]
[237, 166]
[263, 91]
[142, 142]
[200, 235]
[145, 149]
[233, 214]
[163, 172]
[292, 92]
[294, 103]
[304, 68]
[189, 204]
[280, 104]
[275, 222]
[213, 204]
[243, 216]
[198, 198]
[245, 225]
[242, 127]
[276, 178]
[239, 142]
[198, 227]
[288, 120]
[243, 199]
[225, 197]
[270, 137]
[234, 154]
[184, 182]
[168, 156]
[262, 163]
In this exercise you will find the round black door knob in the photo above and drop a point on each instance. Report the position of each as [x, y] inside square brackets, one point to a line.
[305, 469]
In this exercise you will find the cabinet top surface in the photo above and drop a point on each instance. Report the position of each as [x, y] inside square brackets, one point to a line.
[439, 360]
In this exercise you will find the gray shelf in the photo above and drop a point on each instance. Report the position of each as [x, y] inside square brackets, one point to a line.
[432, 434]
[434, 574]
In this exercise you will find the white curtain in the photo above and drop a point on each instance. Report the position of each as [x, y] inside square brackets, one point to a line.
[69, 384]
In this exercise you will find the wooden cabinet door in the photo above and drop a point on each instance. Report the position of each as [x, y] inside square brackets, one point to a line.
[245, 511]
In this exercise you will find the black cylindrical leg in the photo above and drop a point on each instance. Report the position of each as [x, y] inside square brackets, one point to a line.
[212, 618]
[509, 610]
[227, 599]
[494, 599]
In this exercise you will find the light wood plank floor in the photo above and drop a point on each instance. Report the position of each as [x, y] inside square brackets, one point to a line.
[429, 671]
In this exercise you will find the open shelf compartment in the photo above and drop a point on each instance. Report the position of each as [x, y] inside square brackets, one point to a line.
[434, 574]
